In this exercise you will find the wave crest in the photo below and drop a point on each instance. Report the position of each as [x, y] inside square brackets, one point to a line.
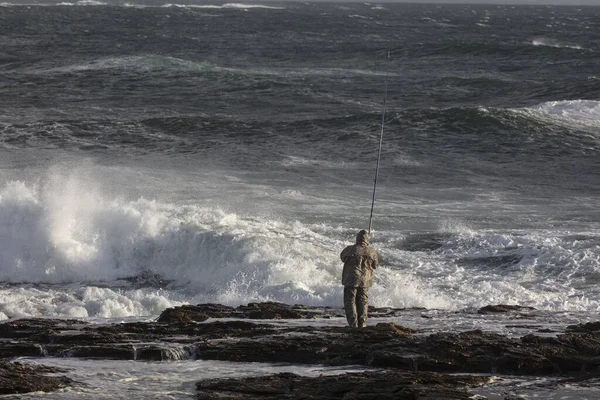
[548, 42]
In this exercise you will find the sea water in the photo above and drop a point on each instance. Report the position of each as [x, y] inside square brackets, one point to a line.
[156, 154]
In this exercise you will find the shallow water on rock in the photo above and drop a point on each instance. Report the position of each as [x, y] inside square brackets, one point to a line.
[113, 379]
[132, 380]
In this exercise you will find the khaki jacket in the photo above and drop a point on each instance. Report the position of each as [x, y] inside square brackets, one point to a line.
[359, 262]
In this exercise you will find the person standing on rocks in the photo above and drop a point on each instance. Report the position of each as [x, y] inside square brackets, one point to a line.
[359, 261]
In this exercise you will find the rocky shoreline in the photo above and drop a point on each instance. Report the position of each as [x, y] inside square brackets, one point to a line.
[399, 362]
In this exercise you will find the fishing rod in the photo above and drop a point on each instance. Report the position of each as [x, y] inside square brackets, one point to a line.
[380, 142]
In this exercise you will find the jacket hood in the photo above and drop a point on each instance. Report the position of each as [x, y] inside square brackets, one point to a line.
[362, 238]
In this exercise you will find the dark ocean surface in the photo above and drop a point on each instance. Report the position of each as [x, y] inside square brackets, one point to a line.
[154, 154]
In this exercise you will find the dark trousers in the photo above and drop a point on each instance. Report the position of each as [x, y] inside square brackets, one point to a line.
[356, 304]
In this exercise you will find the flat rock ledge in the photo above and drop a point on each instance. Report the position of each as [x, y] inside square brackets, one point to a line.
[257, 333]
[267, 310]
[503, 308]
[18, 378]
[380, 385]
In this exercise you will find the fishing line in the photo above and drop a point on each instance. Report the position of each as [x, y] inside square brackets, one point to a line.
[380, 142]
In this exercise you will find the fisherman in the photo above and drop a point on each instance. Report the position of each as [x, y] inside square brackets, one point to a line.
[359, 262]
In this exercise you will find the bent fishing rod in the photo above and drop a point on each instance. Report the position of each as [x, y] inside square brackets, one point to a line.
[380, 142]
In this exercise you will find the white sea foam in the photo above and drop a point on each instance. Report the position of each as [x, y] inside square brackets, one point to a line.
[64, 231]
[239, 6]
[584, 113]
[83, 302]
[90, 3]
[548, 42]
[70, 246]
[358, 16]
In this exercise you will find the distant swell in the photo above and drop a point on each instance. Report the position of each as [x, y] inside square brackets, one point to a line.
[573, 123]
[555, 43]
[240, 6]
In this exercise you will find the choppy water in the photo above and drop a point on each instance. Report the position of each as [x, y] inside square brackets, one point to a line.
[158, 154]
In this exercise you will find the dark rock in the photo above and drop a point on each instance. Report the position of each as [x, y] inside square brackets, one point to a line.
[26, 326]
[20, 378]
[393, 328]
[503, 308]
[112, 352]
[387, 312]
[183, 315]
[16, 349]
[272, 310]
[587, 327]
[216, 310]
[363, 386]
[268, 310]
[383, 345]
[570, 353]
[161, 353]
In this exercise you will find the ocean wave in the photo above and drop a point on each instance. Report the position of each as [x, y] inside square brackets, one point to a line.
[240, 6]
[564, 127]
[83, 3]
[152, 63]
[81, 301]
[545, 118]
[296, 161]
[572, 113]
[98, 256]
[548, 42]
[138, 64]
[64, 231]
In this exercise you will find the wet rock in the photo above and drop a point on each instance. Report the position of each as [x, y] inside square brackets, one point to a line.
[16, 349]
[383, 345]
[387, 312]
[503, 308]
[183, 315]
[272, 310]
[106, 352]
[393, 328]
[587, 327]
[28, 326]
[159, 353]
[20, 378]
[570, 353]
[546, 330]
[268, 310]
[364, 386]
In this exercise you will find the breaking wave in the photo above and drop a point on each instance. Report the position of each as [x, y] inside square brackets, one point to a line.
[69, 250]
[239, 6]
[547, 42]
[574, 113]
